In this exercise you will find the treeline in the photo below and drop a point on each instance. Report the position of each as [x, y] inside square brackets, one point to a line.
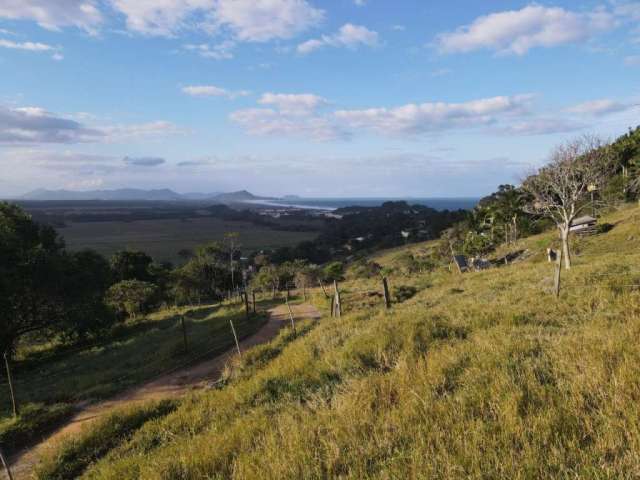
[47, 291]
[366, 229]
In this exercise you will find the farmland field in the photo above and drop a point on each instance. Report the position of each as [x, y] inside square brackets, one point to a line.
[163, 238]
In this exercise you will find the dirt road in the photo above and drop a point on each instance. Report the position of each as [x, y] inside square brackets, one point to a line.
[171, 385]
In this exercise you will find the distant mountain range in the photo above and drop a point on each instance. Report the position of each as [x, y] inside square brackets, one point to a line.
[134, 194]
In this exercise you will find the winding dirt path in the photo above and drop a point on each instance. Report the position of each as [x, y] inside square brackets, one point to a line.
[171, 385]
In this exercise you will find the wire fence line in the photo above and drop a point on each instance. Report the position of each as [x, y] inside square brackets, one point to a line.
[197, 343]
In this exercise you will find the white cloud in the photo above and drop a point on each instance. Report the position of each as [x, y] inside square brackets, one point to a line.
[632, 60]
[32, 47]
[428, 117]
[599, 107]
[360, 3]
[263, 20]
[541, 126]
[290, 115]
[160, 17]
[293, 104]
[54, 14]
[213, 91]
[36, 125]
[247, 20]
[266, 121]
[518, 31]
[159, 128]
[349, 36]
[301, 115]
[29, 46]
[219, 51]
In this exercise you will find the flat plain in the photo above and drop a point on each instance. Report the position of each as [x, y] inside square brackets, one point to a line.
[164, 238]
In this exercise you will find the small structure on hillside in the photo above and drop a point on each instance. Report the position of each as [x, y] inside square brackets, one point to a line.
[585, 225]
[461, 263]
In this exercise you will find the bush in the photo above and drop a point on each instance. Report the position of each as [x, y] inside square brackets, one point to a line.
[404, 293]
[131, 297]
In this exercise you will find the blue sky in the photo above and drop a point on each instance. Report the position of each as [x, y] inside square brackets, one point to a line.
[308, 97]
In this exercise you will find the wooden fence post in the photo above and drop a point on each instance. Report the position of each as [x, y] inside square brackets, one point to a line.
[5, 464]
[333, 308]
[338, 303]
[253, 297]
[293, 325]
[235, 337]
[556, 284]
[246, 305]
[10, 381]
[184, 334]
[385, 289]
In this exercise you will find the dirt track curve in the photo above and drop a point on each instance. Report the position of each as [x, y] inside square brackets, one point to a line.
[171, 385]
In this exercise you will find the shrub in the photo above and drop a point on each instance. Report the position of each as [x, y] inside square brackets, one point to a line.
[131, 297]
[404, 292]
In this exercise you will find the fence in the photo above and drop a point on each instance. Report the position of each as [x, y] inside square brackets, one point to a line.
[191, 335]
[558, 285]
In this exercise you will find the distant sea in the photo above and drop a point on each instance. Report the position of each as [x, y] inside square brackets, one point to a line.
[453, 203]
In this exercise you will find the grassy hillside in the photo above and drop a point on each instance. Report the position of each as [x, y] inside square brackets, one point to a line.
[481, 375]
[50, 380]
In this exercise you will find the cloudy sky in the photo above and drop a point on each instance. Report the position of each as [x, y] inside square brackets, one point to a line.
[308, 97]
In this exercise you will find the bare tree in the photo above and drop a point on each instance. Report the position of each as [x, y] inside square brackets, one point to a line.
[233, 245]
[560, 188]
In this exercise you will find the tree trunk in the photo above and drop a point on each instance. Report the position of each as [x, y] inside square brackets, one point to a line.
[564, 235]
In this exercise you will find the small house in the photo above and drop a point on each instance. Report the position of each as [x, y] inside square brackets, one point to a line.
[585, 225]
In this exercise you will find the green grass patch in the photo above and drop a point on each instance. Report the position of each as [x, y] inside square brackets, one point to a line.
[33, 421]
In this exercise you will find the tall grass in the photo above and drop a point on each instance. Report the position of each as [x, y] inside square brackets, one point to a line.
[481, 375]
[75, 454]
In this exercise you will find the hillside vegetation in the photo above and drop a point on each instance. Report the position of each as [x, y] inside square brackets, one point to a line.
[479, 375]
[50, 380]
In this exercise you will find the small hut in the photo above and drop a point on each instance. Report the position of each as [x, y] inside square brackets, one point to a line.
[585, 225]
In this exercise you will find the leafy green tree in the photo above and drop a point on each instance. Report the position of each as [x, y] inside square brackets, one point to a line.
[267, 278]
[131, 297]
[212, 263]
[189, 283]
[334, 271]
[87, 279]
[41, 286]
[131, 265]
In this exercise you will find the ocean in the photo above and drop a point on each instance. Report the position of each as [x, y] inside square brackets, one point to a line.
[453, 203]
